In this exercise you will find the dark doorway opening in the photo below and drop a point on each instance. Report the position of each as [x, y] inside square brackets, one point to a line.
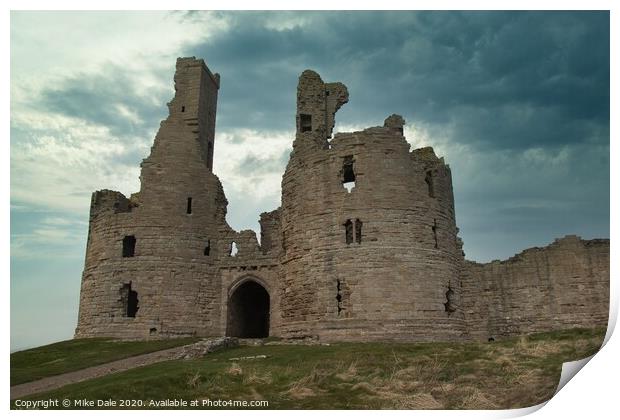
[248, 311]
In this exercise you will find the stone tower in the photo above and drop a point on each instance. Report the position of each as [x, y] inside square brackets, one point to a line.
[364, 246]
[148, 265]
[369, 234]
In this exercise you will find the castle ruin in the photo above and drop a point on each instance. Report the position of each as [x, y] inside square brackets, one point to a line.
[364, 246]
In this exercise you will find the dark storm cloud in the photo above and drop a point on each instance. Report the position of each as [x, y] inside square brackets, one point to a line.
[503, 79]
[97, 98]
[506, 202]
[527, 94]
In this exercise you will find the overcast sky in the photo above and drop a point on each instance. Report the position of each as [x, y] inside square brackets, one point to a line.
[517, 103]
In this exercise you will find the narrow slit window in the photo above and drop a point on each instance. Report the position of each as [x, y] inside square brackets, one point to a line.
[348, 229]
[189, 205]
[233, 249]
[183, 108]
[305, 122]
[129, 246]
[207, 249]
[435, 232]
[430, 183]
[358, 231]
[449, 305]
[339, 296]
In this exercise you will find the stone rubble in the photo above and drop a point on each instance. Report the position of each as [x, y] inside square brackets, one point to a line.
[203, 347]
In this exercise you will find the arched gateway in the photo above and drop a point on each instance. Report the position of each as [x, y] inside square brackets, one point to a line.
[248, 310]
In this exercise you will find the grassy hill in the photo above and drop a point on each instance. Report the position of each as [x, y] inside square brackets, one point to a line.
[510, 373]
[67, 356]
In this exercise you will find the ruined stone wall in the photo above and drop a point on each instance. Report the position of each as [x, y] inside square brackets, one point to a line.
[392, 282]
[563, 285]
[178, 222]
[168, 266]
[364, 246]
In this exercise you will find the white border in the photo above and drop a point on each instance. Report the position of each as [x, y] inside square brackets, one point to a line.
[592, 394]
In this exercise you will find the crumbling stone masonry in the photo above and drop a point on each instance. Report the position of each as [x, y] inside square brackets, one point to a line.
[364, 246]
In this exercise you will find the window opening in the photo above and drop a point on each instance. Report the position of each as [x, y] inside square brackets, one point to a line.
[129, 246]
[129, 299]
[305, 122]
[358, 231]
[339, 296]
[348, 228]
[430, 183]
[233, 249]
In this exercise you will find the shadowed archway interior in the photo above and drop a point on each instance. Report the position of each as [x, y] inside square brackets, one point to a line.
[248, 311]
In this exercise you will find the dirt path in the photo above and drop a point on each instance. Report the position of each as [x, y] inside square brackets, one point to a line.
[53, 382]
[188, 351]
